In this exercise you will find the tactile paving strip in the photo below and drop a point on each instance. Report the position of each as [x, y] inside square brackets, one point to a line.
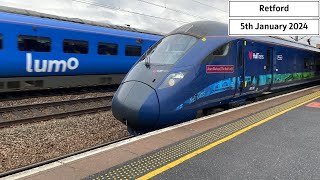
[140, 166]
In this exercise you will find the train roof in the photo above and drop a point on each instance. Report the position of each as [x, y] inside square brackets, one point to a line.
[217, 29]
[33, 16]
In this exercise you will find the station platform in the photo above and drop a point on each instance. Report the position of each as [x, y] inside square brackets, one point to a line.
[276, 138]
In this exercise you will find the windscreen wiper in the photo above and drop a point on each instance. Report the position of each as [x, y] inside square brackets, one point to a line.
[147, 61]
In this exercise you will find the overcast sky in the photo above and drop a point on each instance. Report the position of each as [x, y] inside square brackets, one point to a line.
[155, 15]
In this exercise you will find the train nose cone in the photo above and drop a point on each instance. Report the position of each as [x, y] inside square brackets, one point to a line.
[136, 104]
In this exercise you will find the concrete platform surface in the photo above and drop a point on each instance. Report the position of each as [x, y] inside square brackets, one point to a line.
[288, 147]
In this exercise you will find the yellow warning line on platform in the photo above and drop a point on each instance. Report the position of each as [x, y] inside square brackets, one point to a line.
[159, 161]
[227, 138]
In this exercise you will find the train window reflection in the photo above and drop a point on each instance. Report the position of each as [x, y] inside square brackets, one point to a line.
[133, 51]
[75, 46]
[34, 43]
[1, 41]
[170, 49]
[219, 52]
[310, 63]
[306, 63]
[107, 49]
[269, 59]
[222, 50]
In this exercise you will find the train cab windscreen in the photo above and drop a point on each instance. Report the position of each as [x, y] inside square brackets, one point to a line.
[170, 49]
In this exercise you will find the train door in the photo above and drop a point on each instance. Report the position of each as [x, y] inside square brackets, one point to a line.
[240, 83]
[271, 65]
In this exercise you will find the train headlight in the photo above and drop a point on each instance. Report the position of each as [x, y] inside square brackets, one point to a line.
[172, 80]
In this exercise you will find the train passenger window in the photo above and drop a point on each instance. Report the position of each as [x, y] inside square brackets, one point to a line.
[309, 63]
[0, 41]
[108, 49]
[75, 46]
[222, 51]
[306, 63]
[317, 65]
[269, 58]
[312, 64]
[133, 51]
[34, 43]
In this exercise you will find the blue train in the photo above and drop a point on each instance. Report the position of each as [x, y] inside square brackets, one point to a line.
[198, 67]
[40, 51]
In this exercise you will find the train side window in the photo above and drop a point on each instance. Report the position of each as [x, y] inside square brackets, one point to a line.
[317, 65]
[107, 49]
[269, 58]
[34, 43]
[309, 63]
[306, 63]
[75, 46]
[1, 41]
[133, 50]
[222, 50]
[219, 52]
[312, 64]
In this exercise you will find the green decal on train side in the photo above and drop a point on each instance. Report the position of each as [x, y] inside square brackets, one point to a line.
[254, 82]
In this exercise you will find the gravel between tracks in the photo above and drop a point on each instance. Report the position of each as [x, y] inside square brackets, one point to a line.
[53, 98]
[31, 143]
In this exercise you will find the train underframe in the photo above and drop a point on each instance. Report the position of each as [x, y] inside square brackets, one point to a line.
[54, 82]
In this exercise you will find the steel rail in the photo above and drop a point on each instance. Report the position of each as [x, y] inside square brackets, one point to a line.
[58, 109]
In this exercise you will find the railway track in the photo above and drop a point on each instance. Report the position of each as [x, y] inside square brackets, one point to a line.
[19, 95]
[49, 110]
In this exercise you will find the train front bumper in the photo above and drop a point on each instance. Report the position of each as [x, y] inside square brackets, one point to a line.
[136, 104]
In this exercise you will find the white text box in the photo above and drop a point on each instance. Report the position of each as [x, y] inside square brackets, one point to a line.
[273, 27]
[289, 9]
